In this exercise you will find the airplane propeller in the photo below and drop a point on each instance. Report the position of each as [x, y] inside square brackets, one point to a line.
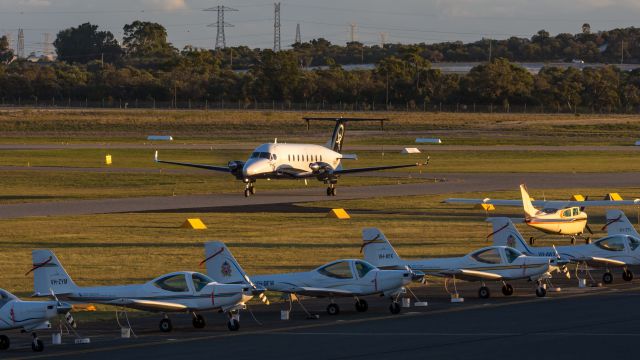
[64, 309]
[257, 290]
[562, 264]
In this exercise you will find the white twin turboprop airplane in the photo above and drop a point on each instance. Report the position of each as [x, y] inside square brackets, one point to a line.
[295, 161]
[497, 263]
[27, 316]
[620, 248]
[340, 278]
[182, 291]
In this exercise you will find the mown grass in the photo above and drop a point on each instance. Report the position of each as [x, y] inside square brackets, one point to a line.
[32, 125]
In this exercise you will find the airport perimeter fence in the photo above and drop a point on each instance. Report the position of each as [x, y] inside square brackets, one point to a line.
[309, 106]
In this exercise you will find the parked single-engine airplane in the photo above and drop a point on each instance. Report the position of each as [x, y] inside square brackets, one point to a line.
[182, 291]
[497, 263]
[555, 217]
[296, 161]
[617, 249]
[27, 316]
[340, 278]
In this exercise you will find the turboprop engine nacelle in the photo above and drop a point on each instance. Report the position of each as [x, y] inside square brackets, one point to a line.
[236, 166]
[318, 167]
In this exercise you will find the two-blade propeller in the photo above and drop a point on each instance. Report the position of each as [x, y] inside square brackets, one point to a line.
[64, 309]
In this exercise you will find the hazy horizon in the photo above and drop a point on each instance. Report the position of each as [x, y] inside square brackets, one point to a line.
[403, 21]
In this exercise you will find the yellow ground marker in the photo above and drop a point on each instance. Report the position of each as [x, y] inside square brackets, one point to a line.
[577, 197]
[613, 196]
[194, 223]
[338, 214]
[485, 207]
[84, 307]
[107, 159]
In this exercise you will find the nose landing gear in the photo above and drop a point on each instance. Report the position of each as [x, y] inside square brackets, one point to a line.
[249, 189]
[331, 190]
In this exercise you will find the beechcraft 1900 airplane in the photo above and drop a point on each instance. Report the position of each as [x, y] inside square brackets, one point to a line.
[296, 161]
[182, 291]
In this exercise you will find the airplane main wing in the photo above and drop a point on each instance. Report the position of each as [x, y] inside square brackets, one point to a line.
[148, 305]
[376, 168]
[601, 261]
[320, 292]
[199, 166]
[466, 274]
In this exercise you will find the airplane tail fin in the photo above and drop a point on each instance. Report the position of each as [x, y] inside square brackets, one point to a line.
[529, 210]
[335, 142]
[222, 266]
[377, 249]
[49, 275]
[505, 234]
[618, 223]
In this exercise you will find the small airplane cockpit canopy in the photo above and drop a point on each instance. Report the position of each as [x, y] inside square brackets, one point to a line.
[511, 254]
[338, 270]
[488, 256]
[200, 281]
[612, 243]
[363, 268]
[633, 243]
[6, 296]
[173, 283]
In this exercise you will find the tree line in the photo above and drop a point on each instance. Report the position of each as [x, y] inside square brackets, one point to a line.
[93, 66]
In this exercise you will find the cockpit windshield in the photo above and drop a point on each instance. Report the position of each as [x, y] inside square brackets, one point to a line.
[6, 296]
[261, 155]
[363, 268]
[338, 270]
[512, 254]
[633, 243]
[200, 281]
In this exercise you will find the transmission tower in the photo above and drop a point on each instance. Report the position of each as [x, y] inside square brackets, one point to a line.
[46, 45]
[276, 27]
[220, 24]
[354, 32]
[298, 36]
[383, 39]
[20, 45]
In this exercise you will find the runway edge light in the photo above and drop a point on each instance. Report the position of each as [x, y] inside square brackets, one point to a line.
[338, 214]
[194, 223]
[107, 159]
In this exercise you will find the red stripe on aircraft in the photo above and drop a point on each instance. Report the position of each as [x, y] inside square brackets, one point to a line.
[37, 266]
[211, 257]
[611, 222]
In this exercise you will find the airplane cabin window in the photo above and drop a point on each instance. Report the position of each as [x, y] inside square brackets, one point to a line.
[200, 281]
[614, 243]
[274, 157]
[173, 283]
[512, 254]
[566, 213]
[488, 256]
[576, 211]
[633, 243]
[363, 268]
[339, 270]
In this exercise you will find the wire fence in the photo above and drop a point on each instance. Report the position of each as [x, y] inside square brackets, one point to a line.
[110, 103]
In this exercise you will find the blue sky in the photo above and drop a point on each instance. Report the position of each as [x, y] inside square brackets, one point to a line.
[406, 21]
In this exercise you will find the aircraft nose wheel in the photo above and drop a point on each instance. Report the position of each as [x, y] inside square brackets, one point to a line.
[198, 321]
[233, 324]
[607, 278]
[37, 345]
[394, 308]
[4, 342]
[507, 289]
[331, 191]
[627, 275]
[484, 292]
[361, 305]
[165, 325]
[333, 309]
[540, 291]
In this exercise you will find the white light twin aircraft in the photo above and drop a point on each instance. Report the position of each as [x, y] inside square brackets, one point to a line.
[182, 291]
[620, 248]
[295, 161]
[492, 263]
[341, 278]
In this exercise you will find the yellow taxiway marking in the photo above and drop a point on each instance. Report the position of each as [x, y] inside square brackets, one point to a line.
[310, 326]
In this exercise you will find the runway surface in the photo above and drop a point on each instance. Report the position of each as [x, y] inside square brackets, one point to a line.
[455, 183]
[575, 323]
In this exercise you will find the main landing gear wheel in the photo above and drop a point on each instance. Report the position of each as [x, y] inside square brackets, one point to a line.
[484, 292]
[233, 325]
[37, 345]
[165, 325]
[394, 308]
[333, 309]
[627, 275]
[607, 278]
[198, 321]
[4, 342]
[541, 292]
[507, 290]
[361, 305]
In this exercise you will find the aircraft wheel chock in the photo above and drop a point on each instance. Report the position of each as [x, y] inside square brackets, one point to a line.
[333, 309]
[361, 305]
[627, 275]
[394, 308]
[4, 342]
[165, 325]
[484, 292]
[607, 278]
[507, 289]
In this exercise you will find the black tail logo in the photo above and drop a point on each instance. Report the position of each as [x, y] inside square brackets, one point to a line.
[338, 136]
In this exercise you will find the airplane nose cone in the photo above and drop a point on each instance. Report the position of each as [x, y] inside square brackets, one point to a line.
[249, 169]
